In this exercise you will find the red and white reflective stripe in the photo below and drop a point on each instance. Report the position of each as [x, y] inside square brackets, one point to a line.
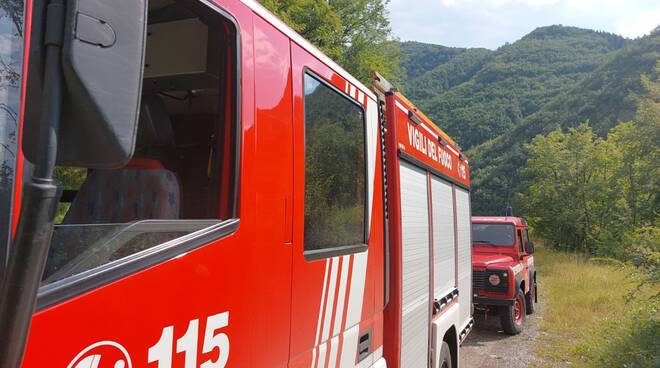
[356, 292]
[340, 311]
[355, 93]
[330, 299]
[325, 282]
[341, 295]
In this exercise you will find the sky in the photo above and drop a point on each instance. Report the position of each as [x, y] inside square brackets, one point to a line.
[492, 23]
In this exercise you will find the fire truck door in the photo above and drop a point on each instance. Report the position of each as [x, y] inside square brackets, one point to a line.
[330, 249]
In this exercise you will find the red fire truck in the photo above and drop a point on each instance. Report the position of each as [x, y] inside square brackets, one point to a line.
[245, 202]
[504, 276]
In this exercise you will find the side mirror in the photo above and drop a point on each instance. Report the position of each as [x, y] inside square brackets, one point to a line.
[103, 62]
[530, 247]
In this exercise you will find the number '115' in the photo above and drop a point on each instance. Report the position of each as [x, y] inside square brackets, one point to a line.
[161, 352]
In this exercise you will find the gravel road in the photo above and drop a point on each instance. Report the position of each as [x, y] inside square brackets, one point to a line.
[488, 346]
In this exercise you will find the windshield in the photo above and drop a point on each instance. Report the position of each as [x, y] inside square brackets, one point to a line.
[493, 234]
[11, 65]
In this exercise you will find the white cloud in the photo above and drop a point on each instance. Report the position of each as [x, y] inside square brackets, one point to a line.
[491, 23]
[530, 3]
[641, 25]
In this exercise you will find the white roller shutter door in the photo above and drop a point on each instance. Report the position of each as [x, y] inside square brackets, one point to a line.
[464, 230]
[444, 247]
[415, 267]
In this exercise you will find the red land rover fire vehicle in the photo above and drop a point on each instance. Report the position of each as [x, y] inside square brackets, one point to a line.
[245, 203]
[503, 274]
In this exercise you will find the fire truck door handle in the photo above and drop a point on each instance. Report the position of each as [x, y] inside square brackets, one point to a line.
[364, 345]
[288, 220]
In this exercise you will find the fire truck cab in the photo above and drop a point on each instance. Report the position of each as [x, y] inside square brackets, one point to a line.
[240, 199]
[503, 275]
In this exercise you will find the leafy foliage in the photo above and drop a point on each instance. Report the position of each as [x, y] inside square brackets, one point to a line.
[69, 178]
[478, 94]
[355, 33]
[570, 197]
[599, 195]
[423, 57]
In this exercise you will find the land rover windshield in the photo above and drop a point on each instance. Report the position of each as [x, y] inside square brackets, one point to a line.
[493, 234]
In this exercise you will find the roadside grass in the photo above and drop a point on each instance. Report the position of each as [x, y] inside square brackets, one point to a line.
[598, 313]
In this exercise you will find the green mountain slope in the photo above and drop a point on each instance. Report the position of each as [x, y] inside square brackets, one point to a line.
[493, 102]
[422, 57]
[496, 90]
[455, 71]
[603, 98]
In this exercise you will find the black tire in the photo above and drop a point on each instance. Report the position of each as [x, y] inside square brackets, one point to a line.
[445, 356]
[530, 300]
[513, 316]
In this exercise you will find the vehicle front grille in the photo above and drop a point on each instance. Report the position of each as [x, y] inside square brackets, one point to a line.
[479, 279]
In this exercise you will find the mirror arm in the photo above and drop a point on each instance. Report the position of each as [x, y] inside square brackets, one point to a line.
[29, 250]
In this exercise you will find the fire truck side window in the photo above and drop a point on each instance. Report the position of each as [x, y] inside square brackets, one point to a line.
[528, 241]
[521, 242]
[182, 177]
[11, 55]
[335, 185]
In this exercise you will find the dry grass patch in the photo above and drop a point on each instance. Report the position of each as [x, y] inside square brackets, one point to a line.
[595, 313]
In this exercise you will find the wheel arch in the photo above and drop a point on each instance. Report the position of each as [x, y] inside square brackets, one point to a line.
[519, 284]
[451, 338]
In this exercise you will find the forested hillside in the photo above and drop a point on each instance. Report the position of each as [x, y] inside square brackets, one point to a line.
[494, 102]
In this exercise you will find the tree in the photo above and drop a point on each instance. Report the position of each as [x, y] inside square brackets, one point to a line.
[572, 187]
[355, 33]
[640, 158]
[599, 195]
[313, 19]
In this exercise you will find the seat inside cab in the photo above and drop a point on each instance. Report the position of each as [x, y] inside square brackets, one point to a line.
[184, 164]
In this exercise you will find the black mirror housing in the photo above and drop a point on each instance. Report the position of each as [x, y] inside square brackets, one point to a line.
[103, 63]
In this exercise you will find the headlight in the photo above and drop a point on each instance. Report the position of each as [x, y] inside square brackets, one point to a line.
[494, 280]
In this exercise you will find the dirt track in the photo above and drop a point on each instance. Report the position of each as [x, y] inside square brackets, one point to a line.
[488, 346]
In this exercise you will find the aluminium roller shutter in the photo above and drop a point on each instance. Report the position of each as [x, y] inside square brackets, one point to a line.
[444, 247]
[415, 267]
[464, 234]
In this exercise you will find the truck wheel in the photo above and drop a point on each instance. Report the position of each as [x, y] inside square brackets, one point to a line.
[513, 317]
[530, 300]
[445, 356]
